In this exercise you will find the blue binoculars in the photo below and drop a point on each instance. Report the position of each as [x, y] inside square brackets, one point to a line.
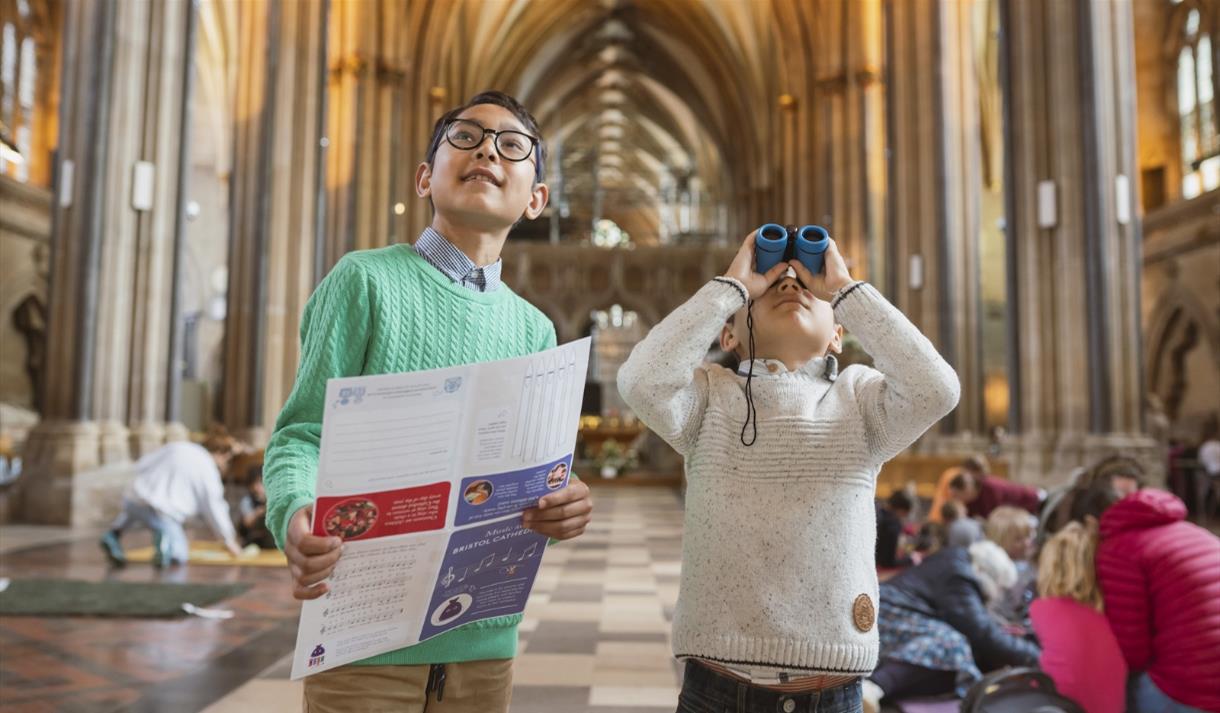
[774, 244]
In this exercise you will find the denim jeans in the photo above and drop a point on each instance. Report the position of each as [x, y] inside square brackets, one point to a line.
[705, 691]
[1144, 697]
[168, 529]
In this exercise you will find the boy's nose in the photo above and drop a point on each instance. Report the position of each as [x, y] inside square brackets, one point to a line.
[789, 284]
[487, 148]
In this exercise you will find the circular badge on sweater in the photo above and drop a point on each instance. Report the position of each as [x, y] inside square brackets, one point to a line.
[863, 613]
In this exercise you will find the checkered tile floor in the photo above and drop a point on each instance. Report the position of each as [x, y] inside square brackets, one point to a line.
[595, 638]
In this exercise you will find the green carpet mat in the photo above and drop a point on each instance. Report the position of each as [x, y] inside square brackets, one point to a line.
[69, 597]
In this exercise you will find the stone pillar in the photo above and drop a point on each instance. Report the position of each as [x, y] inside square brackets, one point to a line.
[111, 271]
[847, 120]
[367, 105]
[1074, 234]
[276, 207]
[932, 232]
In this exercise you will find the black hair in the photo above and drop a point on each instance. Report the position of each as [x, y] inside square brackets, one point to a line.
[1093, 500]
[1114, 466]
[899, 500]
[961, 481]
[499, 99]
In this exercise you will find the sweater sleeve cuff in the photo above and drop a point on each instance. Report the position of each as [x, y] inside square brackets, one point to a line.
[844, 291]
[859, 305]
[295, 502]
[730, 294]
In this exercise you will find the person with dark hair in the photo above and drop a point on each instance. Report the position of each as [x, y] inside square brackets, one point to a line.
[1123, 473]
[1160, 583]
[252, 512]
[778, 602]
[981, 492]
[401, 308]
[961, 530]
[890, 518]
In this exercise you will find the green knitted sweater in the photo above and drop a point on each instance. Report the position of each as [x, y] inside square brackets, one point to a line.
[380, 312]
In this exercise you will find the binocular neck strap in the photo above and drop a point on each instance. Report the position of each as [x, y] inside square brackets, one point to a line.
[751, 412]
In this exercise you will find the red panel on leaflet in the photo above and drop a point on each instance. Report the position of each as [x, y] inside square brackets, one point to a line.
[390, 512]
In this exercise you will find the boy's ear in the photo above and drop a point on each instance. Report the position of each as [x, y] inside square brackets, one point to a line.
[538, 198]
[423, 180]
[728, 340]
[836, 340]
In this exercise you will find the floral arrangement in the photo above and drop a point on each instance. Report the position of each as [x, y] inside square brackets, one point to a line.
[612, 457]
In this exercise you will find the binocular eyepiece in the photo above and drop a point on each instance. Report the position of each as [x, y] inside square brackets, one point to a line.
[774, 244]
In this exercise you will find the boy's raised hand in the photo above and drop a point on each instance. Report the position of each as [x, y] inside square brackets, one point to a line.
[834, 275]
[311, 558]
[742, 270]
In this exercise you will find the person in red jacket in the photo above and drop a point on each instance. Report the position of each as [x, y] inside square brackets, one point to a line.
[1160, 580]
[981, 493]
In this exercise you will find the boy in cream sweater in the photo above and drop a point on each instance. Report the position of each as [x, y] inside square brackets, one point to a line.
[778, 601]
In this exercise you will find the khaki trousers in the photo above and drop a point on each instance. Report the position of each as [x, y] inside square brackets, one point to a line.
[470, 687]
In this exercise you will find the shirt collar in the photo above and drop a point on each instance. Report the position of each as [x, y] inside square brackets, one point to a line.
[453, 263]
[826, 367]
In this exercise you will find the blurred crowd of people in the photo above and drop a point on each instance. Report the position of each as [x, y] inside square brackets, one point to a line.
[1102, 584]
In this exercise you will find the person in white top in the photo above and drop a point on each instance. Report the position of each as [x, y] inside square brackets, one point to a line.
[173, 484]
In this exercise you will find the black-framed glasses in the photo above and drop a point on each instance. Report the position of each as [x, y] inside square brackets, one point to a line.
[468, 135]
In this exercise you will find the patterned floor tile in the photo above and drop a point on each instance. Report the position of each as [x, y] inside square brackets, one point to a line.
[594, 639]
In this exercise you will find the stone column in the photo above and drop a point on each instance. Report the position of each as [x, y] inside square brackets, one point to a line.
[1074, 234]
[276, 207]
[115, 204]
[259, 37]
[932, 232]
[848, 125]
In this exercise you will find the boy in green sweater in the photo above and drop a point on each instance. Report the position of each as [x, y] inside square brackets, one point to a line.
[407, 308]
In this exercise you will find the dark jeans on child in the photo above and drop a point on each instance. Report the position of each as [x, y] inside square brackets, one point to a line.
[706, 691]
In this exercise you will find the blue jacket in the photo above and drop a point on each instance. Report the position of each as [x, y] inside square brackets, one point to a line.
[946, 587]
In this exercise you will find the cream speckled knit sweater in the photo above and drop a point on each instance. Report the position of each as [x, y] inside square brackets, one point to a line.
[777, 561]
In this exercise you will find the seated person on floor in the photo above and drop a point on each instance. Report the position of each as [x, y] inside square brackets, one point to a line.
[937, 636]
[891, 515]
[1125, 475]
[1079, 650]
[1160, 581]
[253, 512]
[961, 530]
[1013, 530]
[173, 484]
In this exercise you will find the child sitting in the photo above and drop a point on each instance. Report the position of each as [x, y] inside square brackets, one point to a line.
[960, 529]
[1079, 650]
[778, 589]
[252, 525]
[890, 518]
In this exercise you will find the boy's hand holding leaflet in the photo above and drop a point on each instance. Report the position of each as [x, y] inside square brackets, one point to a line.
[436, 493]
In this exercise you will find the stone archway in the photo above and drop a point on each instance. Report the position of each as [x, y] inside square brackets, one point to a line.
[1181, 342]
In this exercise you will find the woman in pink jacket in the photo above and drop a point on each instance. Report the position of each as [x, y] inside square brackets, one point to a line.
[1079, 651]
[1160, 580]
